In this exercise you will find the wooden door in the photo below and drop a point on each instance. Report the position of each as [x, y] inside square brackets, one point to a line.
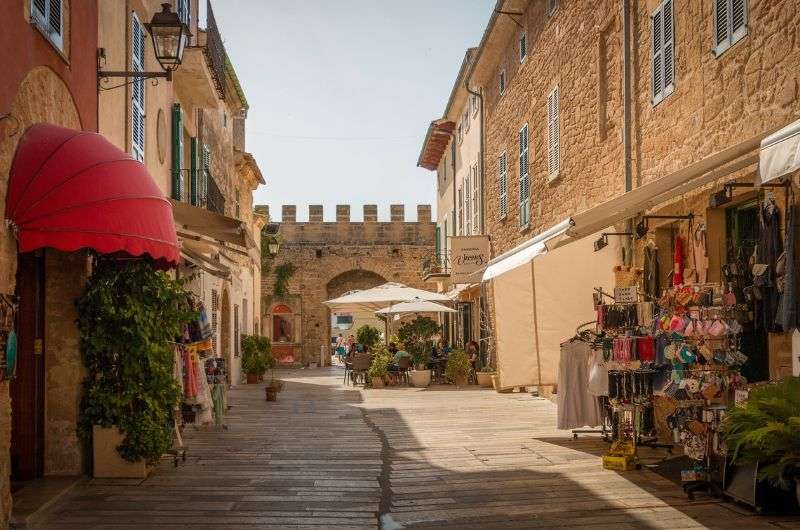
[27, 389]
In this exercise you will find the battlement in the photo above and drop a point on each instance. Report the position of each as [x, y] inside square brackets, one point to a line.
[344, 231]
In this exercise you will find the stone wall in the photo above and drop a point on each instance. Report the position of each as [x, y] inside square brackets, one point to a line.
[718, 101]
[333, 257]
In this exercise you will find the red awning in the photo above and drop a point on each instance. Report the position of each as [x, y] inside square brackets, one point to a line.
[70, 189]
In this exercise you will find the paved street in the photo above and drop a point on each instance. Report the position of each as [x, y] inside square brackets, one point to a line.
[329, 456]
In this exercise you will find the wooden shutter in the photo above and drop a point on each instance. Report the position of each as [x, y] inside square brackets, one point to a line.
[438, 243]
[663, 39]
[205, 173]
[503, 181]
[524, 183]
[730, 23]
[551, 6]
[47, 15]
[194, 196]
[476, 229]
[467, 205]
[553, 135]
[177, 151]
[137, 89]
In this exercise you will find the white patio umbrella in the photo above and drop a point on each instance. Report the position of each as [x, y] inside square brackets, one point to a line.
[415, 306]
[381, 296]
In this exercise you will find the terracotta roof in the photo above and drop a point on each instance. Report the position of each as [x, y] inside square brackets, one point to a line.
[436, 141]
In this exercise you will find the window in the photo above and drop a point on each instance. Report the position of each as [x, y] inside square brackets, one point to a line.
[524, 182]
[205, 175]
[501, 82]
[467, 206]
[47, 16]
[551, 7]
[183, 7]
[503, 183]
[461, 210]
[236, 330]
[466, 121]
[475, 201]
[553, 136]
[177, 152]
[244, 316]
[730, 23]
[138, 37]
[663, 33]
[475, 107]
[237, 202]
[523, 47]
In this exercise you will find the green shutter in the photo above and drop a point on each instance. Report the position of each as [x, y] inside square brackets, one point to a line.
[206, 171]
[438, 241]
[193, 186]
[177, 151]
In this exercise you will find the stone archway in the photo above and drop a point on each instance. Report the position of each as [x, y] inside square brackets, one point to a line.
[226, 352]
[349, 322]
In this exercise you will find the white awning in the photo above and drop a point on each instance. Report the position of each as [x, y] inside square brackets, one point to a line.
[415, 306]
[381, 296]
[780, 153]
[524, 253]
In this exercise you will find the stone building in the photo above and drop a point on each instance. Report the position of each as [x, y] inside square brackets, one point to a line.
[453, 148]
[193, 144]
[49, 76]
[559, 125]
[328, 259]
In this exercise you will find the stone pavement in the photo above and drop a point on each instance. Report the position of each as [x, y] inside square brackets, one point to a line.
[329, 456]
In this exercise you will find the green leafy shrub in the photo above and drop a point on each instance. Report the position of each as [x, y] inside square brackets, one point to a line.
[766, 429]
[282, 274]
[380, 364]
[417, 336]
[458, 365]
[257, 355]
[487, 370]
[368, 335]
[126, 317]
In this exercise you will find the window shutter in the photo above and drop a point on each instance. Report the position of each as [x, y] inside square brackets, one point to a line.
[553, 135]
[476, 229]
[722, 33]
[658, 60]
[54, 17]
[524, 184]
[551, 6]
[669, 48]
[467, 206]
[177, 151]
[193, 191]
[503, 166]
[138, 89]
[39, 10]
[47, 15]
[738, 19]
[206, 174]
[523, 47]
[438, 243]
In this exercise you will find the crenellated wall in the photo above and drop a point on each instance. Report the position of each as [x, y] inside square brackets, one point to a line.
[329, 255]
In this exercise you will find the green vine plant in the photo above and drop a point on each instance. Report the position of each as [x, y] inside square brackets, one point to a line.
[126, 318]
[282, 274]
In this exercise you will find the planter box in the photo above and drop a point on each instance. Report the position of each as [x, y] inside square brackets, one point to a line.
[461, 380]
[377, 382]
[107, 462]
[420, 378]
[485, 379]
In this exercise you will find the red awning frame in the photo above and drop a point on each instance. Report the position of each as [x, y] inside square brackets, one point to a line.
[72, 189]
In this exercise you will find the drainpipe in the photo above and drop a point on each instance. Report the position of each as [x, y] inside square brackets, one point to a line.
[626, 117]
[481, 162]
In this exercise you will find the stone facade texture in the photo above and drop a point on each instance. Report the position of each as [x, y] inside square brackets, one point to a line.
[718, 100]
[331, 258]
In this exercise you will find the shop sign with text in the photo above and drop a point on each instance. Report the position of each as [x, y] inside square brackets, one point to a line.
[468, 254]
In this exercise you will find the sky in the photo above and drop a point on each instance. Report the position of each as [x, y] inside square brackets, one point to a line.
[341, 93]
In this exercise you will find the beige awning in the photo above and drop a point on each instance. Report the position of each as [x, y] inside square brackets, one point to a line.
[213, 225]
[647, 196]
[780, 153]
[195, 254]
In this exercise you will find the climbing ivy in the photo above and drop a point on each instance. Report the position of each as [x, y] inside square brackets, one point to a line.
[126, 317]
[282, 274]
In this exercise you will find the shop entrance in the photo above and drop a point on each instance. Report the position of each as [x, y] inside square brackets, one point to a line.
[742, 228]
[465, 323]
[225, 330]
[27, 388]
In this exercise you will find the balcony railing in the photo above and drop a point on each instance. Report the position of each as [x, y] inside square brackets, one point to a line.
[437, 264]
[215, 200]
[215, 51]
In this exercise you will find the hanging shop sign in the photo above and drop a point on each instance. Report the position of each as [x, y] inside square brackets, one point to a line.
[468, 254]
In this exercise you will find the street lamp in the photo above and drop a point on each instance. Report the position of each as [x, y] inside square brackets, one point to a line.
[273, 247]
[170, 35]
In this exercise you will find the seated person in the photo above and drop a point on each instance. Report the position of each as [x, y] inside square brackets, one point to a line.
[394, 366]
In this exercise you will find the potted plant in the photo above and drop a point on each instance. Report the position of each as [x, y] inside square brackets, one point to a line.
[129, 393]
[765, 430]
[254, 366]
[256, 357]
[379, 368]
[458, 367]
[368, 336]
[485, 376]
[418, 335]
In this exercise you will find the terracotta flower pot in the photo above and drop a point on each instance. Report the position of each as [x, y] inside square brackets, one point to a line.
[485, 379]
[252, 379]
[377, 382]
[461, 380]
[420, 378]
[271, 394]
